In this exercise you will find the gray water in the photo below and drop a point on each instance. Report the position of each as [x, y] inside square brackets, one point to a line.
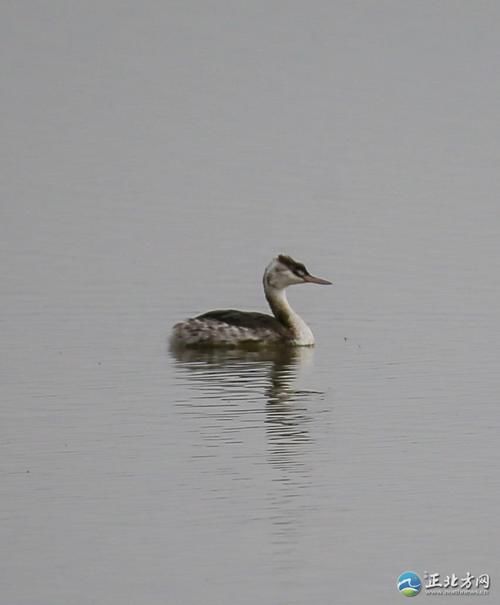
[155, 157]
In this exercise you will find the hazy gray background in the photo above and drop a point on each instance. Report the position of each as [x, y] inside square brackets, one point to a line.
[154, 157]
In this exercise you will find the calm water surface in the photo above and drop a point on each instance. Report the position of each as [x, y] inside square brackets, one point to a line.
[156, 163]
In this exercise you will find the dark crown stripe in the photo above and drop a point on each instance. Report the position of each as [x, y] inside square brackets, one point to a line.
[293, 265]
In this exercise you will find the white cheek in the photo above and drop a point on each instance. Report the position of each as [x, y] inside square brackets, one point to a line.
[294, 279]
[279, 280]
[291, 279]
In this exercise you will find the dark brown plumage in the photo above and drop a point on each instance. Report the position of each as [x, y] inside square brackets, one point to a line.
[246, 319]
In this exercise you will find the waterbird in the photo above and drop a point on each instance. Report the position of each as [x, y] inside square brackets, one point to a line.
[232, 328]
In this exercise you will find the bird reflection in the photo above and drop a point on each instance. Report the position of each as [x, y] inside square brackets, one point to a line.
[231, 385]
[236, 396]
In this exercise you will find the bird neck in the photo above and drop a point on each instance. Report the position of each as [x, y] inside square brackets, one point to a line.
[276, 297]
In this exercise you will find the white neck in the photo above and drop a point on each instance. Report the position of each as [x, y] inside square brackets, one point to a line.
[276, 297]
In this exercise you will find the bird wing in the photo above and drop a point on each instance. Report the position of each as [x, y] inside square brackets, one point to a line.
[245, 319]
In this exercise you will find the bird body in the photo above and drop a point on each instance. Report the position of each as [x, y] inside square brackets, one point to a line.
[231, 328]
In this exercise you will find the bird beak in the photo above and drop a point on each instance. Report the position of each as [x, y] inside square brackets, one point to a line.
[310, 279]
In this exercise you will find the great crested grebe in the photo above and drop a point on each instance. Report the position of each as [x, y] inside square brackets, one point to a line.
[242, 328]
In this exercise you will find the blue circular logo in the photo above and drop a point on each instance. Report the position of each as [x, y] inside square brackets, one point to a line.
[409, 584]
